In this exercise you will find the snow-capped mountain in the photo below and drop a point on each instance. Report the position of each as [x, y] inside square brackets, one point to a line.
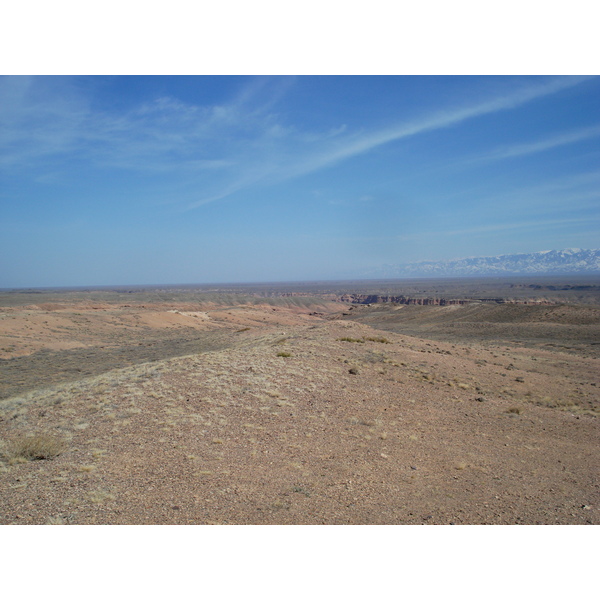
[547, 262]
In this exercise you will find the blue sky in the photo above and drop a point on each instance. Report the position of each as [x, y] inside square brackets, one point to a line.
[199, 179]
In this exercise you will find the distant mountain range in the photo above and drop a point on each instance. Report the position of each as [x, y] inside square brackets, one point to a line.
[547, 262]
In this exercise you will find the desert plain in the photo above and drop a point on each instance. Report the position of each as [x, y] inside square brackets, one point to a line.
[417, 402]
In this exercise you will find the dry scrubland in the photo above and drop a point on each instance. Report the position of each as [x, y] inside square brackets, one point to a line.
[170, 408]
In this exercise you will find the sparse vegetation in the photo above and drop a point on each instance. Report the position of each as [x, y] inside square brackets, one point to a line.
[362, 340]
[299, 489]
[227, 434]
[87, 468]
[99, 496]
[40, 446]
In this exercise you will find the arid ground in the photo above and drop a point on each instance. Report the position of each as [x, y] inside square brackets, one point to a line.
[266, 406]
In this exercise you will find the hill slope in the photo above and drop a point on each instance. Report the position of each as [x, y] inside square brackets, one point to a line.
[315, 421]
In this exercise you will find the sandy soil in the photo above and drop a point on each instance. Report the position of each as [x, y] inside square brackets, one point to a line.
[275, 415]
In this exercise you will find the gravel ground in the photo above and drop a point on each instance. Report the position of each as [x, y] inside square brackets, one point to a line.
[293, 424]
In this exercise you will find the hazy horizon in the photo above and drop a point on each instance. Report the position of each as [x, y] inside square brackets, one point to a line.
[566, 278]
[225, 179]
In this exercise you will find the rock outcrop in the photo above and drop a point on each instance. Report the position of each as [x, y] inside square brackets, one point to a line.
[380, 299]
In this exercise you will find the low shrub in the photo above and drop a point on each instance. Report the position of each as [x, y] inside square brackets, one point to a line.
[40, 446]
[381, 340]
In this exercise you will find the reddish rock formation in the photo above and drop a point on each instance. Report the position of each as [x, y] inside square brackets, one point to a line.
[378, 299]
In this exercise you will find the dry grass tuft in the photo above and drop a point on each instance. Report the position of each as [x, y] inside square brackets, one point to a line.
[40, 446]
[99, 496]
[381, 340]
[87, 468]
[284, 354]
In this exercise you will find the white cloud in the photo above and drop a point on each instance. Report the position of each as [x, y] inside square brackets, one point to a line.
[570, 137]
[337, 130]
[351, 146]
[45, 118]
[227, 147]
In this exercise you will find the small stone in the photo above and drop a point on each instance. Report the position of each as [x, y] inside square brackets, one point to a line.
[586, 507]
[481, 399]
[353, 371]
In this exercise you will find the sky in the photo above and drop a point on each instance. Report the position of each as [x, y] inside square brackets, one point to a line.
[132, 180]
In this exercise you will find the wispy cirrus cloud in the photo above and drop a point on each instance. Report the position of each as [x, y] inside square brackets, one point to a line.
[563, 139]
[220, 149]
[45, 119]
[346, 145]
[355, 144]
